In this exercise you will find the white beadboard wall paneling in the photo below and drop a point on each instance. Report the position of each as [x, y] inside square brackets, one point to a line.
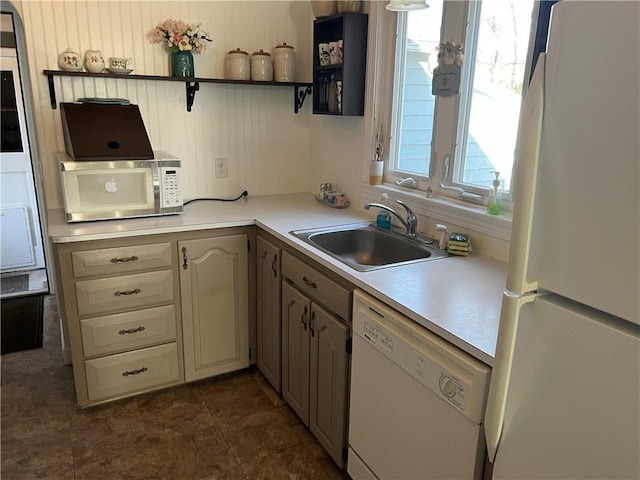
[338, 143]
[337, 146]
[268, 146]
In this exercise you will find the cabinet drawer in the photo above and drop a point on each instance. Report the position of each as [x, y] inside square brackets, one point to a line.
[124, 292]
[132, 372]
[126, 331]
[318, 286]
[121, 260]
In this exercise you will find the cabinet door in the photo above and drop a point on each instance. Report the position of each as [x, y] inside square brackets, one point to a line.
[268, 312]
[296, 309]
[328, 382]
[215, 305]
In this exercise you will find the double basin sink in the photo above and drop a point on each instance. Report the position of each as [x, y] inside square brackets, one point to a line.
[365, 247]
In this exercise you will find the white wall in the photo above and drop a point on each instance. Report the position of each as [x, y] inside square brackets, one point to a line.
[270, 149]
[268, 146]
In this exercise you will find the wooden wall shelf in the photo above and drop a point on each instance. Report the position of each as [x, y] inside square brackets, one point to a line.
[301, 89]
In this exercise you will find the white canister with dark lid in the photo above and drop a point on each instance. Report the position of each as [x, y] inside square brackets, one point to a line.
[284, 63]
[261, 67]
[236, 65]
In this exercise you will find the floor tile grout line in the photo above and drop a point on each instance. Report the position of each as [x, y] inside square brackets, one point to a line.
[226, 441]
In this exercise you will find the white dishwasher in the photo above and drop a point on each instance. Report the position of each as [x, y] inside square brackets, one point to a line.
[417, 402]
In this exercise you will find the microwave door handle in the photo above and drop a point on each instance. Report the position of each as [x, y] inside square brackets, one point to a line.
[155, 174]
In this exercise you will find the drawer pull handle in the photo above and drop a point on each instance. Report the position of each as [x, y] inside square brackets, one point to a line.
[309, 283]
[135, 291]
[185, 264]
[273, 266]
[304, 318]
[312, 323]
[134, 372]
[132, 258]
[131, 330]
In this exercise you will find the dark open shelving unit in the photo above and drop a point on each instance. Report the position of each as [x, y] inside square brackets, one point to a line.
[351, 28]
[192, 84]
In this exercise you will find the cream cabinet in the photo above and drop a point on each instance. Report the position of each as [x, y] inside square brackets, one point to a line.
[120, 303]
[296, 347]
[147, 312]
[214, 288]
[269, 335]
[316, 351]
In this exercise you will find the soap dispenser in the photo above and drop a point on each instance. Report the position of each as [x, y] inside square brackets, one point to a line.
[383, 220]
[493, 205]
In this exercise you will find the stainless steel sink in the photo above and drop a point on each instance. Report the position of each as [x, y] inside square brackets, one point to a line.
[364, 247]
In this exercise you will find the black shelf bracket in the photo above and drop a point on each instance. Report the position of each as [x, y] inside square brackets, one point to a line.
[192, 88]
[52, 92]
[300, 94]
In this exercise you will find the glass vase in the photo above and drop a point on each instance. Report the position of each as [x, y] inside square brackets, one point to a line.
[182, 64]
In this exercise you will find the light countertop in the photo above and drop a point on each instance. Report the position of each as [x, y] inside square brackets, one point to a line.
[458, 298]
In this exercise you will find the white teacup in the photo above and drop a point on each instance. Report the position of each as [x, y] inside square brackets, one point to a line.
[334, 55]
[120, 63]
[323, 52]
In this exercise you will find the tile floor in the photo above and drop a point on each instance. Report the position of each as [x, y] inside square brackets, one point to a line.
[231, 427]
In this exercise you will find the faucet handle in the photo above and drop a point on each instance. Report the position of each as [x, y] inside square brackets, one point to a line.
[412, 220]
[406, 207]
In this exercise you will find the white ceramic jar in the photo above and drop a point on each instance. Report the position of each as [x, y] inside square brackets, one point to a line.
[261, 67]
[236, 65]
[94, 61]
[70, 61]
[284, 63]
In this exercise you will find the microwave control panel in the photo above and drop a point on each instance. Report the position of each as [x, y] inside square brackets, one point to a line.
[171, 185]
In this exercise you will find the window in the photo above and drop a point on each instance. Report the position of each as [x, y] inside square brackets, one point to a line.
[456, 143]
[413, 118]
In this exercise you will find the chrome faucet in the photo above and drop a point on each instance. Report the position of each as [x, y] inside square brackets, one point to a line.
[411, 223]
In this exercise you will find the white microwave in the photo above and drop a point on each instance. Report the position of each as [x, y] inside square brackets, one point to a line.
[103, 190]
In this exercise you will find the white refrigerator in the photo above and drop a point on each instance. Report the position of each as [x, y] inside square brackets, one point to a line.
[564, 399]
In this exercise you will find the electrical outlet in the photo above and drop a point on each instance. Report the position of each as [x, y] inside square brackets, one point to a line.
[221, 168]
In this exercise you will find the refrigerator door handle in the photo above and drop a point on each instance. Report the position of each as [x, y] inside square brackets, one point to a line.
[494, 417]
[527, 156]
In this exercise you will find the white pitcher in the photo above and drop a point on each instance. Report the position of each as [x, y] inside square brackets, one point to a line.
[94, 61]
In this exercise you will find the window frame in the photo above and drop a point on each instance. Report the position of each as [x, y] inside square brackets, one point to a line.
[443, 167]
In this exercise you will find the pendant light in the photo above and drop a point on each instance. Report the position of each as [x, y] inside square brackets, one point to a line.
[405, 5]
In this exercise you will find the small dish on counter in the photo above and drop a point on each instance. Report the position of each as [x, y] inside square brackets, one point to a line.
[120, 71]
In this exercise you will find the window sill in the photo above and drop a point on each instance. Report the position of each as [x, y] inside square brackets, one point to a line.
[443, 210]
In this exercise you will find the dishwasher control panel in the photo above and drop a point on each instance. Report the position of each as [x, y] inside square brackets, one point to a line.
[377, 335]
[447, 371]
